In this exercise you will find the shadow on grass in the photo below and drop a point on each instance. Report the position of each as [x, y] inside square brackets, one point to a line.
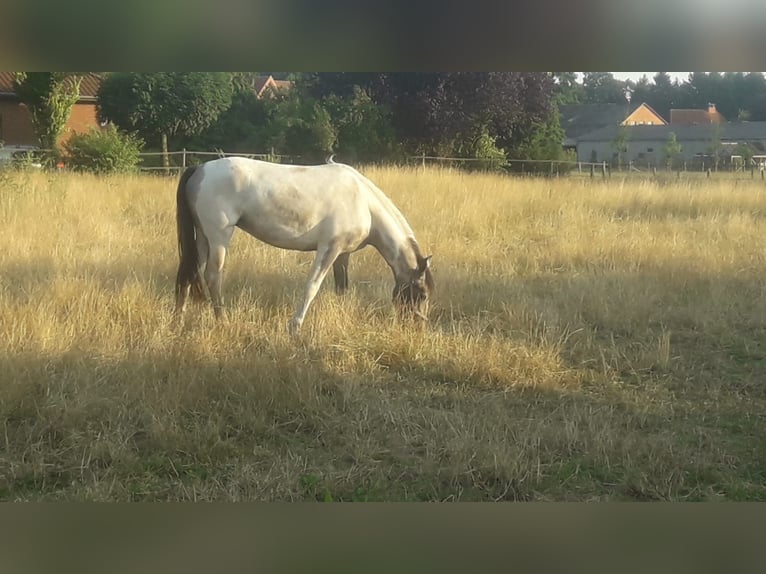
[280, 422]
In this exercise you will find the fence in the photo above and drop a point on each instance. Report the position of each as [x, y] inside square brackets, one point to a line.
[538, 167]
[700, 167]
[179, 160]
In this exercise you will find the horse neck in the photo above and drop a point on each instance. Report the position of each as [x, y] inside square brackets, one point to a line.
[394, 241]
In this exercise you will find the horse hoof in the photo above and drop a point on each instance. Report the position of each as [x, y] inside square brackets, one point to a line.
[293, 327]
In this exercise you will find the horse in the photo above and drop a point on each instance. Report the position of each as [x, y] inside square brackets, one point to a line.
[329, 208]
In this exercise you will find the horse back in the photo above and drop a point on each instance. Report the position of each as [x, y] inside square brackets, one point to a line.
[294, 207]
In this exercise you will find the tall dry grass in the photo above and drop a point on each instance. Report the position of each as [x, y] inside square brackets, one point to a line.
[589, 340]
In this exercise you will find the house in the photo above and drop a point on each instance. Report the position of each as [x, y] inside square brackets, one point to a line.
[16, 130]
[267, 86]
[696, 117]
[644, 115]
[579, 119]
[645, 143]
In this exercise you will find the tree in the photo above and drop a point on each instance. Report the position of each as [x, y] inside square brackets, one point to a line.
[364, 129]
[164, 104]
[49, 97]
[440, 112]
[545, 141]
[568, 90]
[302, 127]
[671, 150]
[620, 144]
[715, 148]
[246, 126]
[603, 88]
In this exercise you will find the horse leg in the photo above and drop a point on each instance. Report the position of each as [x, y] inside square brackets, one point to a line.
[340, 273]
[216, 256]
[324, 259]
[182, 294]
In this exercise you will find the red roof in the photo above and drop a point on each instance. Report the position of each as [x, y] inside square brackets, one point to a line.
[88, 86]
[691, 117]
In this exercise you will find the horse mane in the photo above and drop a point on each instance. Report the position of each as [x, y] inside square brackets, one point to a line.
[391, 208]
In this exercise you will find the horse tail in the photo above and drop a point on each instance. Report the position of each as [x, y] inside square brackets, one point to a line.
[189, 264]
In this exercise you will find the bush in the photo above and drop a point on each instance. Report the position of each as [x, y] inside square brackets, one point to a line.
[103, 151]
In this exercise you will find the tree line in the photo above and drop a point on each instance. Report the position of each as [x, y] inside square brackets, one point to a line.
[361, 117]
[367, 116]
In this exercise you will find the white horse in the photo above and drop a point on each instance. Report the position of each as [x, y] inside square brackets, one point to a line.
[331, 209]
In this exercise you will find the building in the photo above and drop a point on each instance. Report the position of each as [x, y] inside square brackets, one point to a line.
[696, 117]
[267, 86]
[645, 143]
[579, 119]
[644, 115]
[16, 130]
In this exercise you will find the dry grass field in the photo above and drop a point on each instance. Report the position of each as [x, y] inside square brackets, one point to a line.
[589, 341]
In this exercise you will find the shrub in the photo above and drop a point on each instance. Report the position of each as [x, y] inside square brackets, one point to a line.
[103, 151]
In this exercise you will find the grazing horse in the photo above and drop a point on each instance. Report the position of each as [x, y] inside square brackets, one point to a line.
[331, 209]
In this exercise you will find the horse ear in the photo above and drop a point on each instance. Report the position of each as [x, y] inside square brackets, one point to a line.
[423, 263]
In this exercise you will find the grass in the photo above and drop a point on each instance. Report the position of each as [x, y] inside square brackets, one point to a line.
[590, 341]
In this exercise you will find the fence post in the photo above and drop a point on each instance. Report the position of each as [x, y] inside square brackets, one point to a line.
[424, 160]
[592, 171]
[183, 160]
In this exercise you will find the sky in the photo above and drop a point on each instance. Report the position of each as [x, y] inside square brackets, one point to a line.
[681, 76]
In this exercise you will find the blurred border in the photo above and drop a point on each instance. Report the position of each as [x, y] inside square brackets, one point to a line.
[372, 538]
[345, 35]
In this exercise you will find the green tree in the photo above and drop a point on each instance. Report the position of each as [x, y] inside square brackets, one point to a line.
[715, 147]
[364, 129]
[49, 97]
[164, 104]
[545, 140]
[245, 127]
[431, 111]
[603, 88]
[567, 90]
[302, 127]
[620, 144]
[483, 147]
[671, 150]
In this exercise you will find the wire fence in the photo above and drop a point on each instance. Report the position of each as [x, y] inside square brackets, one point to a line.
[180, 160]
[153, 162]
[690, 169]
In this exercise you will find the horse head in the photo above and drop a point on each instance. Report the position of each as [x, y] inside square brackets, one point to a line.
[413, 290]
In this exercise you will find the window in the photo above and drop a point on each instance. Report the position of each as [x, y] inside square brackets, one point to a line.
[650, 149]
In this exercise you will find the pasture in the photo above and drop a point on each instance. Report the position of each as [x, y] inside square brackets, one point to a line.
[589, 340]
